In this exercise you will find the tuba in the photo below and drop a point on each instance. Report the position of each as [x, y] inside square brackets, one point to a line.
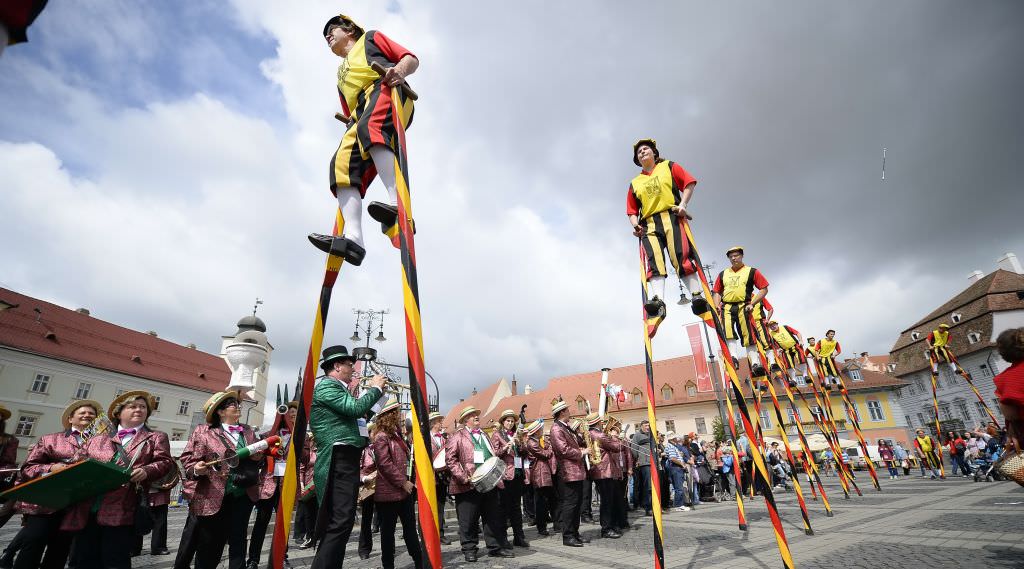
[612, 423]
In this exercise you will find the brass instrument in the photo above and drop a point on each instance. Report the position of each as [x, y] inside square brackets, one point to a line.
[169, 480]
[612, 423]
[593, 448]
[389, 386]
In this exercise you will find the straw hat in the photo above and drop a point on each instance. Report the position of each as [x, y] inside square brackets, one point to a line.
[557, 407]
[210, 407]
[65, 418]
[506, 413]
[391, 405]
[121, 400]
[467, 412]
[593, 419]
[434, 416]
[738, 248]
[5, 413]
[534, 426]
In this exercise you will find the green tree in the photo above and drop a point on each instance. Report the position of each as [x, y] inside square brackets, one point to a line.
[718, 429]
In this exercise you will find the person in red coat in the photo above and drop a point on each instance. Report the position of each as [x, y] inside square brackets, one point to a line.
[466, 450]
[503, 440]
[106, 533]
[624, 458]
[394, 493]
[367, 474]
[1010, 384]
[223, 498]
[569, 450]
[41, 526]
[542, 472]
[605, 473]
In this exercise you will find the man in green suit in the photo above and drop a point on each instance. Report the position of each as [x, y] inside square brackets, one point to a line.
[338, 417]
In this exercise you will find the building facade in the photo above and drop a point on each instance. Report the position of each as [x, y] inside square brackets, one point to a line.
[990, 304]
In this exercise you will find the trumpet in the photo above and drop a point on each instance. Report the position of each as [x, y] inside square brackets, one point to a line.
[389, 385]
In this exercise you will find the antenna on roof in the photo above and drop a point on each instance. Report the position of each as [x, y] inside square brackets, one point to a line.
[883, 162]
[255, 306]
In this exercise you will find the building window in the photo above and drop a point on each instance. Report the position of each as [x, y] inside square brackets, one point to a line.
[913, 387]
[156, 402]
[26, 424]
[176, 435]
[792, 415]
[891, 367]
[964, 411]
[183, 408]
[83, 390]
[875, 410]
[670, 425]
[766, 421]
[581, 404]
[855, 375]
[909, 423]
[41, 384]
[638, 397]
[691, 390]
[702, 428]
[973, 338]
[945, 412]
[920, 419]
[666, 393]
[980, 408]
[956, 317]
[985, 371]
[915, 335]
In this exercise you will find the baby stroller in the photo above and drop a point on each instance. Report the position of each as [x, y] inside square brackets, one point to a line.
[706, 478]
[984, 466]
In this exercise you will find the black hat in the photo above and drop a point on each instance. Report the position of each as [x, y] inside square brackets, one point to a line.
[337, 21]
[646, 142]
[333, 354]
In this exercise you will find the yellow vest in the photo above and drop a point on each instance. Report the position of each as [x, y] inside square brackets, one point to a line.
[926, 443]
[784, 338]
[656, 191]
[737, 285]
[940, 338]
[827, 347]
[355, 76]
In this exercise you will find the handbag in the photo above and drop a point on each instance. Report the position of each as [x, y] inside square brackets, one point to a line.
[143, 515]
[1011, 465]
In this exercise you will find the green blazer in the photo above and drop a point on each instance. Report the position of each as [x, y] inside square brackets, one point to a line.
[333, 418]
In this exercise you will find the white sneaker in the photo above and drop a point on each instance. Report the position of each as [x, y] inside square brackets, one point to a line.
[683, 509]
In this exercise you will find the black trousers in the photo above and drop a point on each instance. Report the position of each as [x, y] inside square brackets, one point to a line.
[529, 502]
[746, 474]
[570, 501]
[469, 507]
[587, 499]
[366, 511]
[305, 520]
[606, 489]
[511, 497]
[188, 545]
[107, 547]
[389, 513]
[228, 526]
[545, 506]
[620, 515]
[666, 497]
[642, 487]
[39, 534]
[158, 539]
[338, 511]
[264, 511]
[441, 492]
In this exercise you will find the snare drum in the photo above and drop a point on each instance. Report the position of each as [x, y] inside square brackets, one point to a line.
[439, 460]
[488, 474]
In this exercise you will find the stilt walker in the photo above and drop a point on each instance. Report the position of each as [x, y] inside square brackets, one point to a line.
[938, 430]
[740, 513]
[828, 425]
[938, 352]
[851, 412]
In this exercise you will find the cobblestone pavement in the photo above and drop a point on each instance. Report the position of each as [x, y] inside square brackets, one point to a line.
[912, 522]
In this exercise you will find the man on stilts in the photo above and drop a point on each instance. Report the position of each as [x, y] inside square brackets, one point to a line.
[369, 144]
[827, 349]
[656, 199]
[735, 298]
[788, 340]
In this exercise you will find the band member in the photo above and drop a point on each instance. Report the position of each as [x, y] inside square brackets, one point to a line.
[270, 485]
[624, 458]
[158, 503]
[106, 535]
[604, 474]
[587, 496]
[369, 145]
[789, 342]
[368, 520]
[503, 441]
[938, 345]
[337, 418]
[189, 541]
[437, 442]
[656, 199]
[394, 492]
[465, 451]
[735, 299]
[827, 349]
[542, 468]
[52, 453]
[569, 449]
[305, 516]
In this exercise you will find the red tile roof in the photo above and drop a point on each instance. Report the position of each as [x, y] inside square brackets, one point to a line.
[67, 335]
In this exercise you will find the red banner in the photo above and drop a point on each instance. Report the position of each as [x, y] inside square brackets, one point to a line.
[700, 360]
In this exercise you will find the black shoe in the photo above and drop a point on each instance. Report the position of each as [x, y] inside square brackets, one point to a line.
[776, 369]
[252, 564]
[520, 542]
[445, 540]
[648, 513]
[757, 370]
[363, 555]
[136, 552]
[543, 532]
[470, 556]
[340, 246]
[699, 305]
[655, 307]
[792, 383]
[385, 214]
[160, 551]
[582, 539]
[572, 542]
[611, 534]
[501, 553]
[506, 546]
[587, 519]
[306, 543]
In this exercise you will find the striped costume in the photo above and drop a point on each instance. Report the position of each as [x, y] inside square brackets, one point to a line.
[788, 341]
[736, 289]
[650, 197]
[938, 343]
[827, 350]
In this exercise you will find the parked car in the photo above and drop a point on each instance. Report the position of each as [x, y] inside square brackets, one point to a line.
[856, 460]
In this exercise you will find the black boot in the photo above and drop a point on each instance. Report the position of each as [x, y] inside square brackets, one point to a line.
[655, 307]
[757, 370]
[699, 305]
[385, 214]
[340, 246]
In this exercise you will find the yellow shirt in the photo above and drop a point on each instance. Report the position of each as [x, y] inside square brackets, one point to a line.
[655, 190]
[735, 284]
[940, 338]
[925, 443]
[783, 337]
[826, 347]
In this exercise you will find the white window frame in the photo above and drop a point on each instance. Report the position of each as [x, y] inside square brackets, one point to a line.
[891, 367]
[973, 337]
[183, 407]
[83, 390]
[766, 419]
[670, 425]
[669, 390]
[701, 424]
[875, 409]
[855, 374]
[956, 317]
[638, 397]
[26, 420]
[915, 335]
[691, 390]
[40, 383]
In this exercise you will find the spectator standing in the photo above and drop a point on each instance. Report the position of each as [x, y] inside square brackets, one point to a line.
[901, 455]
[885, 451]
[1010, 384]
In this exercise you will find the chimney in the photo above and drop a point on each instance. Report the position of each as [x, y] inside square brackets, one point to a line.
[975, 276]
[1010, 263]
[514, 391]
[474, 391]
[528, 389]
[191, 346]
[84, 311]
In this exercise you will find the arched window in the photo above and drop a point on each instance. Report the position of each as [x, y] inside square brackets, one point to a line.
[666, 393]
[638, 397]
[691, 389]
[581, 403]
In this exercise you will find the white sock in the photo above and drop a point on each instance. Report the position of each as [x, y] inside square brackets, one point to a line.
[692, 282]
[752, 356]
[771, 357]
[952, 368]
[351, 205]
[802, 369]
[656, 287]
[384, 160]
[792, 374]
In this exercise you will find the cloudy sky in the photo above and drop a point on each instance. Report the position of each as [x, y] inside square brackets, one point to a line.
[162, 164]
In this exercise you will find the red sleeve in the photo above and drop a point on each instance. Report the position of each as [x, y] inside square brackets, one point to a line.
[839, 349]
[817, 346]
[389, 48]
[767, 305]
[681, 176]
[632, 204]
[759, 281]
[718, 284]
[795, 333]
[931, 338]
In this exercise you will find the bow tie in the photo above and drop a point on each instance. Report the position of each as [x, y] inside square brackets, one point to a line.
[476, 432]
[125, 432]
[234, 428]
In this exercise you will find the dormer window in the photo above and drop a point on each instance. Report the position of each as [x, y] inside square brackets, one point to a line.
[691, 389]
[956, 317]
[666, 393]
[891, 368]
[915, 335]
[973, 337]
